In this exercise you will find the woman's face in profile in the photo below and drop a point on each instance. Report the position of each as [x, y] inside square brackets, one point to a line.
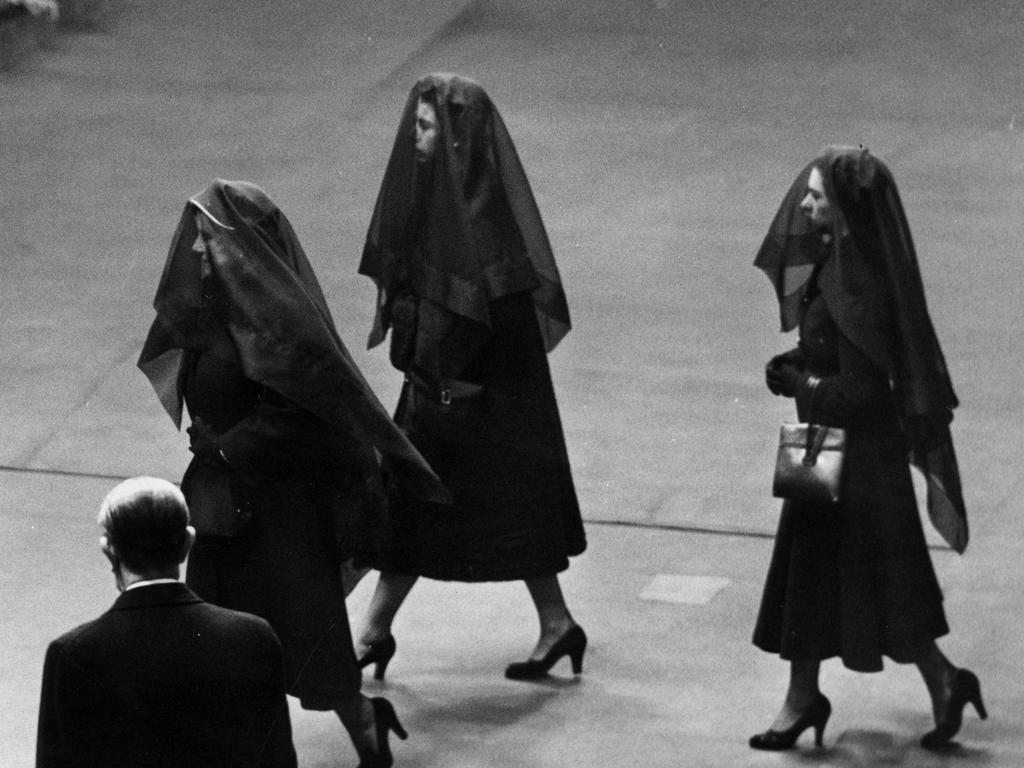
[426, 131]
[199, 249]
[816, 205]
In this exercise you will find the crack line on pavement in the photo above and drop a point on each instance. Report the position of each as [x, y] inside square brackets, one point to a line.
[444, 32]
[739, 532]
[61, 473]
[82, 401]
[750, 534]
[746, 534]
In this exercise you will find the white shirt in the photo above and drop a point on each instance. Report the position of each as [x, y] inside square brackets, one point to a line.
[150, 581]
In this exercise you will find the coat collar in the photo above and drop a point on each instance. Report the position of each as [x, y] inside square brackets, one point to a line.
[156, 594]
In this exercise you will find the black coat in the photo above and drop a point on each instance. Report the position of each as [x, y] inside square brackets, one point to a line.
[299, 482]
[468, 285]
[499, 449]
[852, 579]
[165, 679]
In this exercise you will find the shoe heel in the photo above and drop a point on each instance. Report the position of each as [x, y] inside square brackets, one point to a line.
[973, 693]
[979, 706]
[819, 733]
[384, 721]
[572, 644]
[816, 717]
[379, 654]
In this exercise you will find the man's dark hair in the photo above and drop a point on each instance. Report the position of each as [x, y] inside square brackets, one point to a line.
[146, 520]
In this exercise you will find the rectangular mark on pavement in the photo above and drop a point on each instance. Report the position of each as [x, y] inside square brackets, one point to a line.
[679, 588]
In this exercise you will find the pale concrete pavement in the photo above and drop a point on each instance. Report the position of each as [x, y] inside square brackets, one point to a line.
[659, 137]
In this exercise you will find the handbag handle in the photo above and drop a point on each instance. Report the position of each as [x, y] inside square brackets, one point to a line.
[815, 432]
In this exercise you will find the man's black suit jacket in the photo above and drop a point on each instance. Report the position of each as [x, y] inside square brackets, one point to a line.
[165, 679]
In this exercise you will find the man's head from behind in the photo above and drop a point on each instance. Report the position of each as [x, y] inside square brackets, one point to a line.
[145, 529]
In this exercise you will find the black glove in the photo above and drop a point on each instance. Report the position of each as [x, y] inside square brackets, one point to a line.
[784, 379]
[403, 315]
[203, 442]
[794, 356]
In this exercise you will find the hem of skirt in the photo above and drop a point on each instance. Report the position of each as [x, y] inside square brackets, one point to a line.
[864, 664]
[322, 705]
[469, 577]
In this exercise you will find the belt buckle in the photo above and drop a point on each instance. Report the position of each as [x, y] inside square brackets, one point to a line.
[446, 397]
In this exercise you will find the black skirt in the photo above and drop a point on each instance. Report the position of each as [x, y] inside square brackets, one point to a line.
[854, 579]
[285, 569]
[502, 455]
[284, 564]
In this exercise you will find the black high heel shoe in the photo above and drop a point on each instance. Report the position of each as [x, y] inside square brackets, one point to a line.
[815, 717]
[384, 720]
[572, 644]
[964, 689]
[380, 653]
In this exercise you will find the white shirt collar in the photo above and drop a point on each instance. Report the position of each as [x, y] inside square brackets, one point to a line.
[150, 581]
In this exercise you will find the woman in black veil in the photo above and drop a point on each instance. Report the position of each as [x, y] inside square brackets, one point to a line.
[286, 435]
[855, 579]
[470, 292]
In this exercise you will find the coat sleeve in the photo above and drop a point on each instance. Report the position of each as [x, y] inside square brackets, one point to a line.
[278, 750]
[857, 393]
[52, 749]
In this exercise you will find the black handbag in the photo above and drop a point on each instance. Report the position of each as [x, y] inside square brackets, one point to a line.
[809, 462]
[454, 409]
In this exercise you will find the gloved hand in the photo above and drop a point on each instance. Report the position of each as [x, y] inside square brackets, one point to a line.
[402, 314]
[794, 356]
[203, 442]
[783, 379]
